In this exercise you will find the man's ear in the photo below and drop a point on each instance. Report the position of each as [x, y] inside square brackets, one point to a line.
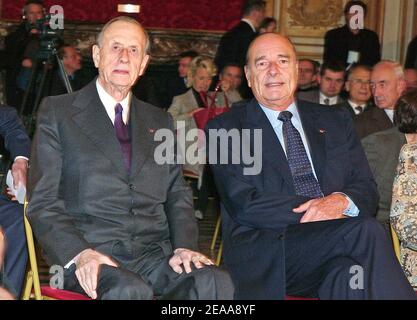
[319, 78]
[96, 55]
[144, 64]
[247, 74]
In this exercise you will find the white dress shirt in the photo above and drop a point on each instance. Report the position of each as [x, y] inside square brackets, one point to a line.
[110, 103]
[390, 114]
[332, 100]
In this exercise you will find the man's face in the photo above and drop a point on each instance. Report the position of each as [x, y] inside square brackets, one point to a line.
[259, 17]
[359, 86]
[306, 75]
[121, 59]
[385, 86]
[331, 83]
[272, 71]
[233, 75]
[72, 60]
[183, 66]
[202, 80]
[34, 12]
[411, 78]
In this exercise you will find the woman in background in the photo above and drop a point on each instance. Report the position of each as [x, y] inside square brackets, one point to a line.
[403, 216]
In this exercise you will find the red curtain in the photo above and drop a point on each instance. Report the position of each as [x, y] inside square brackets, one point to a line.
[178, 14]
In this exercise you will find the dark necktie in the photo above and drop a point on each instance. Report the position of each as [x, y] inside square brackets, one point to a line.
[304, 181]
[327, 101]
[359, 109]
[122, 134]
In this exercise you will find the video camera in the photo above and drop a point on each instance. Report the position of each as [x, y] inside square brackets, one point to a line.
[50, 38]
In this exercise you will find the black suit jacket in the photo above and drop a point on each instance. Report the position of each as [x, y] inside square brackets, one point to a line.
[258, 208]
[411, 59]
[338, 42]
[346, 105]
[81, 195]
[372, 120]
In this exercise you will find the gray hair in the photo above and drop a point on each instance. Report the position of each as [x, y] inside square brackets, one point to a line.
[99, 39]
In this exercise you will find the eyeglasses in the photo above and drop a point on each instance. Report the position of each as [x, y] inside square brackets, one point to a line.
[360, 82]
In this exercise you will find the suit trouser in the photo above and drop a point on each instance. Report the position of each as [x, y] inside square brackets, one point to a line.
[15, 260]
[343, 259]
[208, 283]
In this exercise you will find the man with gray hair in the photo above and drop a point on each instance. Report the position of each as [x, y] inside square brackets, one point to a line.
[101, 206]
[387, 85]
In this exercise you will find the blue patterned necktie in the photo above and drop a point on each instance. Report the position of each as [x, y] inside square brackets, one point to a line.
[122, 134]
[305, 182]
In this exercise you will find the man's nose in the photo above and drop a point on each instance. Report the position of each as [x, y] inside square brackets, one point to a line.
[274, 69]
[124, 55]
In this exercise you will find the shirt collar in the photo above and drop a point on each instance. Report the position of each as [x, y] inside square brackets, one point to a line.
[250, 24]
[332, 100]
[109, 103]
[272, 115]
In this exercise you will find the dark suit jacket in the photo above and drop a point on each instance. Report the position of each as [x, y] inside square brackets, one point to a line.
[258, 208]
[81, 195]
[382, 150]
[313, 96]
[13, 132]
[338, 42]
[411, 59]
[346, 105]
[373, 120]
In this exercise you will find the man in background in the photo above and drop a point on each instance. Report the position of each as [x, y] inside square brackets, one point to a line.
[307, 75]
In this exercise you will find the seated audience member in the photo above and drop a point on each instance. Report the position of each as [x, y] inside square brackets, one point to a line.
[348, 42]
[200, 75]
[178, 84]
[71, 60]
[331, 80]
[230, 80]
[403, 214]
[268, 24]
[387, 85]
[411, 78]
[411, 58]
[22, 46]
[11, 212]
[120, 223]
[307, 75]
[358, 87]
[296, 222]
[4, 293]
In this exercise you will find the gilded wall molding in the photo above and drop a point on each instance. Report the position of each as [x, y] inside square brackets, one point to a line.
[166, 44]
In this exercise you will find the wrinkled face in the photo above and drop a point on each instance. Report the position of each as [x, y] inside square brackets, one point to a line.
[385, 86]
[34, 12]
[359, 86]
[121, 59]
[272, 71]
[331, 83]
[411, 78]
[183, 66]
[306, 75]
[72, 60]
[233, 75]
[201, 80]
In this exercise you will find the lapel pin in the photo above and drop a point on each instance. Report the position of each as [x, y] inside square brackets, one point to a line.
[322, 131]
[151, 130]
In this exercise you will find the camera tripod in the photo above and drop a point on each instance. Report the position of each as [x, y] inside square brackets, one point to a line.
[46, 63]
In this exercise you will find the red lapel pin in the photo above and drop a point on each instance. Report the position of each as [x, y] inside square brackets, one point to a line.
[151, 130]
[322, 131]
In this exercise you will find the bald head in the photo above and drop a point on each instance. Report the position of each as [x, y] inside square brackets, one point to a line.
[272, 70]
[387, 84]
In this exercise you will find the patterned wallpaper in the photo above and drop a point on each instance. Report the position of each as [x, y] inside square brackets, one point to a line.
[178, 14]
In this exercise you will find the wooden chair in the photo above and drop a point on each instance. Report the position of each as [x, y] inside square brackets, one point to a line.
[33, 288]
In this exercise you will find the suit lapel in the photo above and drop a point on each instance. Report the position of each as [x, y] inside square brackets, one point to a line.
[316, 138]
[142, 136]
[92, 119]
[272, 151]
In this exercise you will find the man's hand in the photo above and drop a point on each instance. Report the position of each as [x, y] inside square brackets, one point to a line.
[185, 257]
[327, 208]
[19, 172]
[27, 63]
[88, 267]
[5, 295]
[225, 85]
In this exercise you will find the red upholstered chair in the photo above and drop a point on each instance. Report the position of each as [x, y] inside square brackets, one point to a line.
[32, 288]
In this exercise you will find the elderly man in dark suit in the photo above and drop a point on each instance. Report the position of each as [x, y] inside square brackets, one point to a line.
[387, 85]
[302, 224]
[100, 204]
[235, 42]
[11, 212]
